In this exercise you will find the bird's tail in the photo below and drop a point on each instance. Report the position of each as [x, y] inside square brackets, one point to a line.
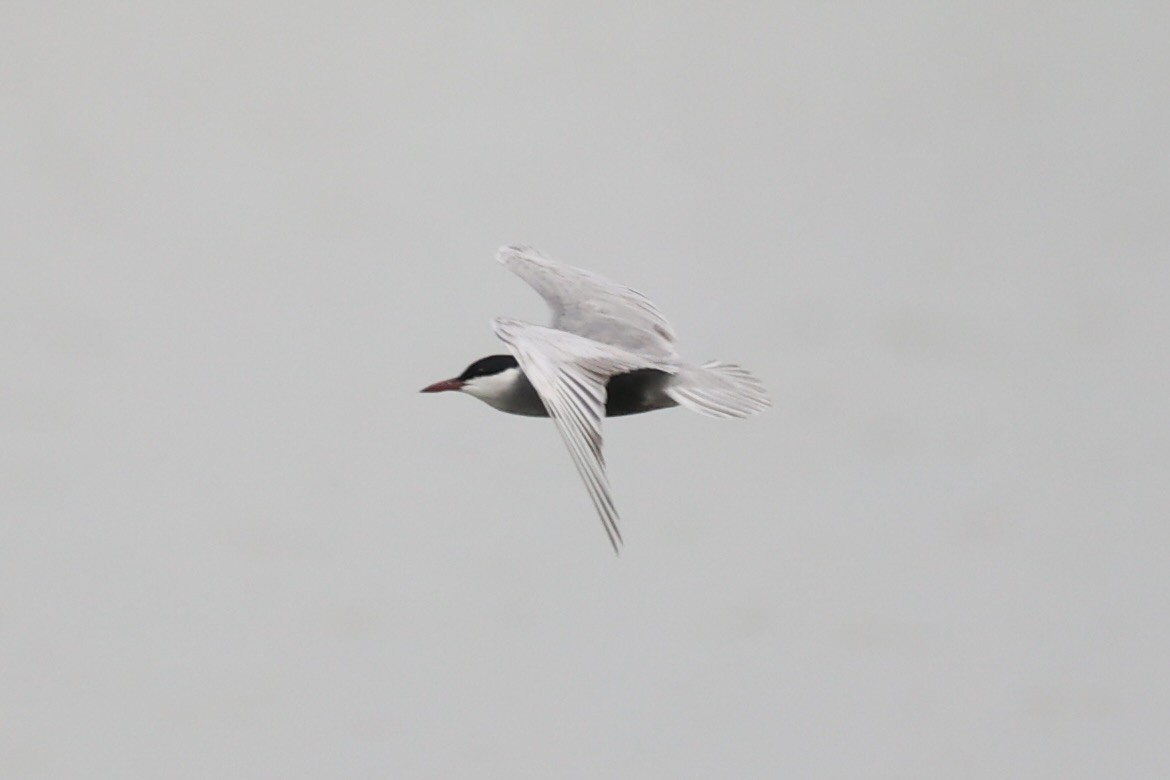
[718, 390]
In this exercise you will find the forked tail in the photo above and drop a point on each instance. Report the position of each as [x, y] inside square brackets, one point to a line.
[718, 390]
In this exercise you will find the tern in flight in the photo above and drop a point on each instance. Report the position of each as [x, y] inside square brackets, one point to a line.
[608, 352]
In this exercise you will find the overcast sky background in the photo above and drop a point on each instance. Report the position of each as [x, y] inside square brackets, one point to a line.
[237, 238]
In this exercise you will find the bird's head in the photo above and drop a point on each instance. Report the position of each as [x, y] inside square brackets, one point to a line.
[488, 378]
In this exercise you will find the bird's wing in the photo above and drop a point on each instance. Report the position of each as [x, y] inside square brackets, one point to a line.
[569, 373]
[592, 306]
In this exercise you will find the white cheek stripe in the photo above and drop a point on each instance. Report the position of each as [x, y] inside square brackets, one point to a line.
[494, 385]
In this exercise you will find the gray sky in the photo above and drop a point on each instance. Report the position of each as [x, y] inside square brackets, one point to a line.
[239, 237]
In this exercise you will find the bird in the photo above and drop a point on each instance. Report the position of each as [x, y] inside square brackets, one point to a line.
[608, 352]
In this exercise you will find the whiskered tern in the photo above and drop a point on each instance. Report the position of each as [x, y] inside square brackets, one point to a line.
[608, 352]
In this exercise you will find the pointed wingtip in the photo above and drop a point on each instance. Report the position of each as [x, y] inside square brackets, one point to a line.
[614, 533]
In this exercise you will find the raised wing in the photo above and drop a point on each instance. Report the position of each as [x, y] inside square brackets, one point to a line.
[569, 373]
[592, 306]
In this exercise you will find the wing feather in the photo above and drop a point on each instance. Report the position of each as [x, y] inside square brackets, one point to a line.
[592, 306]
[569, 373]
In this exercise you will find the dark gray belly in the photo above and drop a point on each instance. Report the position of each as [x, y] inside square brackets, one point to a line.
[636, 392]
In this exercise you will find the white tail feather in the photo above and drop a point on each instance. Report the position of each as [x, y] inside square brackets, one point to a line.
[718, 390]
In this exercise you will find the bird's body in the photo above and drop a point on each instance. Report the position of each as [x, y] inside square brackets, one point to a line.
[608, 353]
[634, 392]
